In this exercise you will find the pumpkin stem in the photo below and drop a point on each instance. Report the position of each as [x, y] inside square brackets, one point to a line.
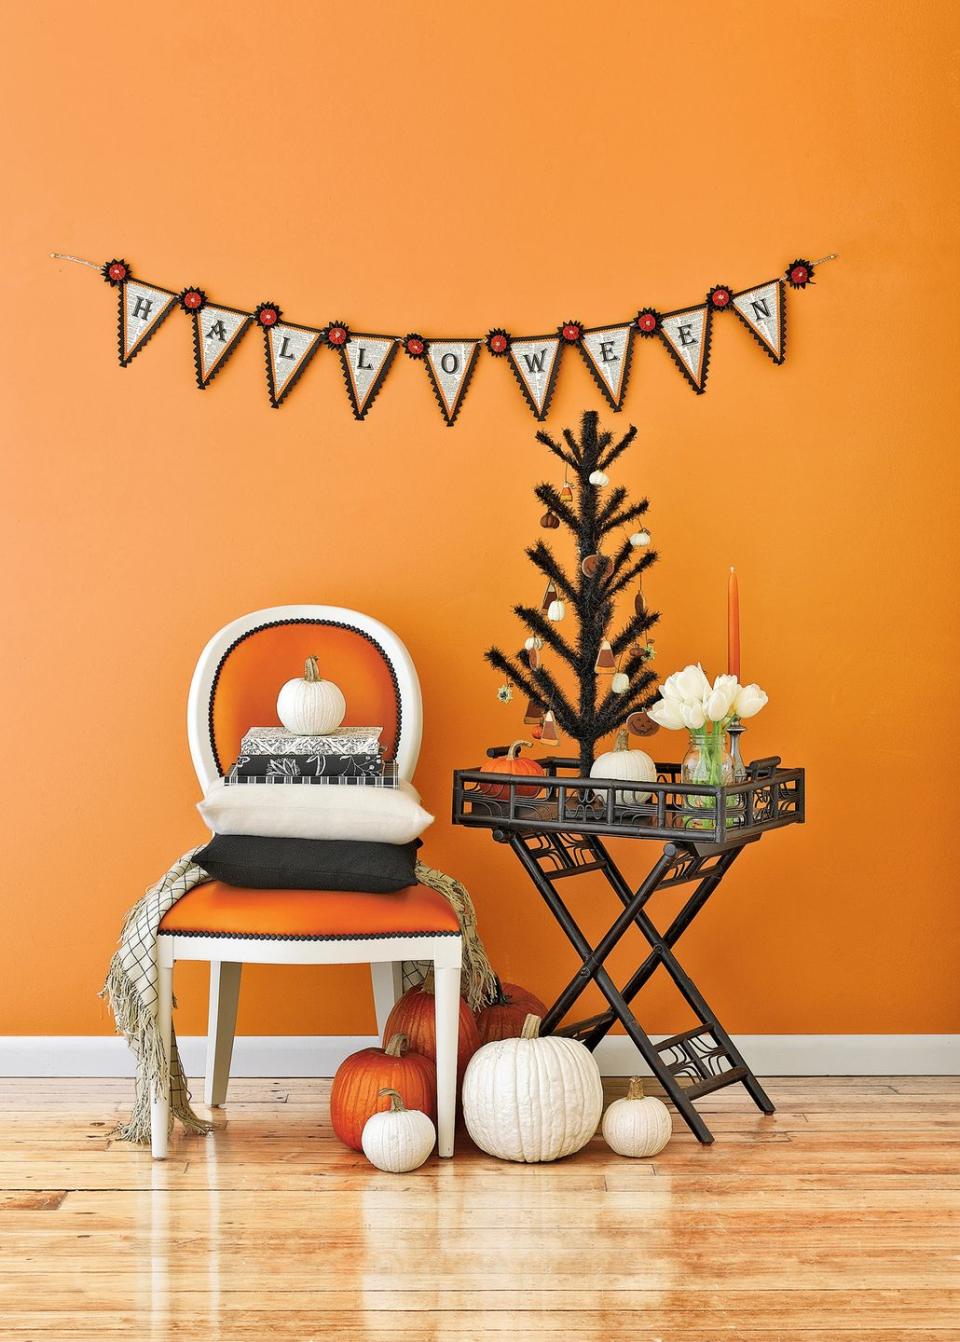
[397, 1105]
[531, 1027]
[635, 1088]
[515, 746]
[623, 739]
[427, 986]
[397, 1046]
[311, 671]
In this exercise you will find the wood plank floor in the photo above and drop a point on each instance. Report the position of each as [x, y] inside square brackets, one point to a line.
[838, 1217]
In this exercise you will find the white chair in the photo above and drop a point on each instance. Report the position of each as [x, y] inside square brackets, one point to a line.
[234, 687]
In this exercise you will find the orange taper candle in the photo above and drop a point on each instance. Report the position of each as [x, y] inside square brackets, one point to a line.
[733, 625]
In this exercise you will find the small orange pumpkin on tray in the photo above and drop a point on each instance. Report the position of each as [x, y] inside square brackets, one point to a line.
[511, 763]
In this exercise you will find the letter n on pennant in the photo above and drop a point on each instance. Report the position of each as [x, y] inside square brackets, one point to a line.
[216, 334]
[366, 361]
[763, 312]
[289, 350]
[607, 351]
[535, 361]
[450, 365]
[143, 308]
[687, 337]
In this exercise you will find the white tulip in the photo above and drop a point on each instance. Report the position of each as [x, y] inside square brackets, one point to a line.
[749, 701]
[666, 713]
[693, 716]
[692, 683]
[720, 700]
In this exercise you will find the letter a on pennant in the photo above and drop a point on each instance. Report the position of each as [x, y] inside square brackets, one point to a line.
[289, 350]
[142, 309]
[216, 334]
[687, 337]
[450, 365]
[607, 352]
[535, 362]
[366, 360]
[763, 312]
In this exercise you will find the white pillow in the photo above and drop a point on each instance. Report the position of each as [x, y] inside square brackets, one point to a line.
[367, 814]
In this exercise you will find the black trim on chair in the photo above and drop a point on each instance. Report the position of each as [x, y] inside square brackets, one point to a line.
[304, 936]
[274, 624]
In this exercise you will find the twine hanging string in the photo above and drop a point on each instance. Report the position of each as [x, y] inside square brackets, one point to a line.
[82, 261]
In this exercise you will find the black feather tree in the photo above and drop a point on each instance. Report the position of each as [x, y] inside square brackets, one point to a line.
[593, 515]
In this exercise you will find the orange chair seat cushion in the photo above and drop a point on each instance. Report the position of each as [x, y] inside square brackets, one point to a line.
[227, 910]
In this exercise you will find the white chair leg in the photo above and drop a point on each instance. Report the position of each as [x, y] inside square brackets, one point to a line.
[447, 995]
[221, 1026]
[160, 1103]
[387, 978]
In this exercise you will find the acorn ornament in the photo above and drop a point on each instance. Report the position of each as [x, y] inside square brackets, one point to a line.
[556, 611]
[605, 659]
[533, 642]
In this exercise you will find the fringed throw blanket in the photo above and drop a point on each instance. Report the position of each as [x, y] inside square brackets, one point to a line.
[131, 987]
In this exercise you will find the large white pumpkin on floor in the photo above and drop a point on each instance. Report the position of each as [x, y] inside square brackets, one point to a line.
[638, 1125]
[398, 1139]
[532, 1099]
[310, 706]
[633, 766]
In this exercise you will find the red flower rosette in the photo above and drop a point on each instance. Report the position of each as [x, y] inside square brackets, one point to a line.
[336, 335]
[648, 321]
[415, 345]
[192, 299]
[571, 332]
[498, 342]
[267, 315]
[720, 297]
[115, 271]
[799, 273]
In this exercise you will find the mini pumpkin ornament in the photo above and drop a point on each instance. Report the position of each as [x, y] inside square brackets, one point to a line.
[550, 521]
[310, 706]
[620, 683]
[504, 1017]
[639, 1125]
[531, 1099]
[634, 766]
[556, 611]
[512, 763]
[415, 1015]
[400, 1139]
[357, 1091]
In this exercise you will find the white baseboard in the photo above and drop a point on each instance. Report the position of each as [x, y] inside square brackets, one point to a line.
[320, 1055]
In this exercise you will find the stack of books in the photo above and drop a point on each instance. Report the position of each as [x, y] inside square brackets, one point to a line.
[350, 756]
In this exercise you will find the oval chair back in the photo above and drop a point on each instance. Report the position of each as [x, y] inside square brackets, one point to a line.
[242, 668]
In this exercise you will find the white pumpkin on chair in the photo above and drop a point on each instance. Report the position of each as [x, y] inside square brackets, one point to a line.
[310, 706]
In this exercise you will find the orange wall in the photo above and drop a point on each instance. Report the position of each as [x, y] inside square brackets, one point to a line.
[422, 166]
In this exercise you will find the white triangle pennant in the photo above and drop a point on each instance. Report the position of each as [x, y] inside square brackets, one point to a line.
[366, 362]
[535, 362]
[216, 334]
[687, 337]
[762, 311]
[142, 308]
[289, 350]
[607, 353]
[450, 364]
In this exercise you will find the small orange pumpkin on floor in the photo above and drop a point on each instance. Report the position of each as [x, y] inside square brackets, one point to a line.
[503, 1017]
[415, 1016]
[511, 763]
[355, 1094]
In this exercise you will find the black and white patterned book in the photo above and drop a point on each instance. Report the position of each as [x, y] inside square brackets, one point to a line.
[278, 741]
[388, 778]
[293, 766]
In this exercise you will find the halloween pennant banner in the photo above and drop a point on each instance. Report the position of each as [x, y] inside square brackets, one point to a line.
[685, 333]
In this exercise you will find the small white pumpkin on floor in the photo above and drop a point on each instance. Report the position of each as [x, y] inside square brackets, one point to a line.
[399, 1139]
[310, 706]
[638, 1125]
[532, 1099]
[634, 766]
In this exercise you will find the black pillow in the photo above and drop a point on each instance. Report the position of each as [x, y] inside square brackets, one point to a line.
[309, 864]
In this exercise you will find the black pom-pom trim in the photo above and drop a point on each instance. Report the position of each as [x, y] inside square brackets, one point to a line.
[650, 329]
[420, 345]
[502, 339]
[802, 280]
[110, 265]
[192, 307]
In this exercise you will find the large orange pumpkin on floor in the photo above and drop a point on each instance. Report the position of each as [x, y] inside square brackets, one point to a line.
[503, 1017]
[355, 1093]
[415, 1016]
[511, 763]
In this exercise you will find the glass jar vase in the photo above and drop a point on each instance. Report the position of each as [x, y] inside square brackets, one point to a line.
[707, 762]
